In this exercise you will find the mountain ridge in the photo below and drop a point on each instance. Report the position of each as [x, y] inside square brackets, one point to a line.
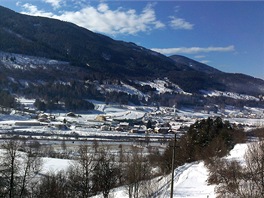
[56, 39]
[86, 63]
[198, 66]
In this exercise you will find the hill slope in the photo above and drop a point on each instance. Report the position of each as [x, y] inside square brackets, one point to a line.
[194, 64]
[65, 41]
[207, 77]
[42, 57]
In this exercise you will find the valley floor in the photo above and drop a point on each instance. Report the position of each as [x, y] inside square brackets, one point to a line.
[189, 180]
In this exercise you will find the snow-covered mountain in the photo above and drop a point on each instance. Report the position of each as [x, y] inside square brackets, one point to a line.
[24, 72]
[38, 61]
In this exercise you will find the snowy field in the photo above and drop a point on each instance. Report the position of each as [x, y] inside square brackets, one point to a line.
[189, 179]
[87, 126]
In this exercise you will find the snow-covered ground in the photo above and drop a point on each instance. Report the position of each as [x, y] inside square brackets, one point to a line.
[122, 88]
[53, 165]
[229, 95]
[162, 86]
[24, 62]
[190, 180]
[87, 124]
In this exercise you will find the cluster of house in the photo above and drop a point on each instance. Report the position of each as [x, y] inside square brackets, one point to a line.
[133, 127]
[41, 120]
[101, 122]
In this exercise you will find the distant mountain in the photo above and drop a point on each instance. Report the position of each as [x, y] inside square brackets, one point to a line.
[57, 61]
[207, 77]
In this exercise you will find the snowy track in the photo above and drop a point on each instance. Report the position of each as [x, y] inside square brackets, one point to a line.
[189, 181]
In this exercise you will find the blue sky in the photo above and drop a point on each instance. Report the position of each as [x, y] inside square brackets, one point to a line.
[226, 35]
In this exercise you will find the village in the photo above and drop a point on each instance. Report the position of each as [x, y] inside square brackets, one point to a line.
[118, 122]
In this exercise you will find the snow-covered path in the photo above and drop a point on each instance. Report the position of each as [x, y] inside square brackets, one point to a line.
[190, 181]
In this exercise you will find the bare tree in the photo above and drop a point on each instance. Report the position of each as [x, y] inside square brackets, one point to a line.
[255, 167]
[53, 185]
[95, 145]
[35, 147]
[10, 166]
[137, 170]
[120, 162]
[64, 146]
[30, 165]
[105, 172]
[80, 173]
[18, 169]
[235, 180]
[227, 175]
[149, 188]
[48, 151]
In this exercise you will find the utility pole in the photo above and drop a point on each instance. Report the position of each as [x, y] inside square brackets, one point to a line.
[172, 166]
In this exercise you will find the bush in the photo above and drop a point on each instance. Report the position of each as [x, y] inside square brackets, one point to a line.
[212, 137]
[234, 180]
